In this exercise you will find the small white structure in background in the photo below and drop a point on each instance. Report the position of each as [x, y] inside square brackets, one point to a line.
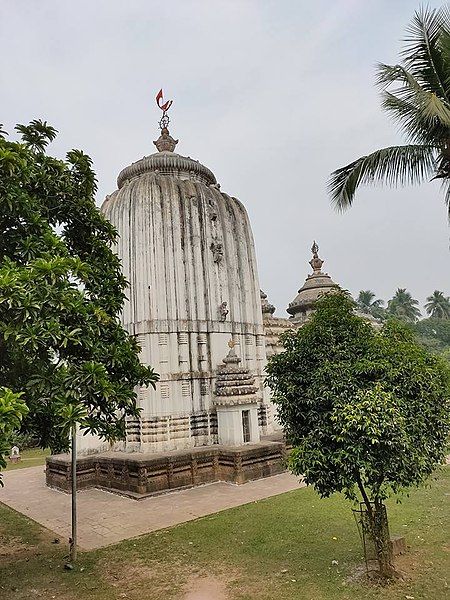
[236, 401]
[15, 454]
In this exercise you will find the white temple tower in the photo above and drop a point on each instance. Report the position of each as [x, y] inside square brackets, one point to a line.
[187, 250]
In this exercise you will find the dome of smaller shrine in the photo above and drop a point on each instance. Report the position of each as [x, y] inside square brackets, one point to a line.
[234, 384]
[316, 285]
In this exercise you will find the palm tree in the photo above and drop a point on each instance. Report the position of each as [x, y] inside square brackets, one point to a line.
[420, 103]
[368, 305]
[404, 306]
[438, 305]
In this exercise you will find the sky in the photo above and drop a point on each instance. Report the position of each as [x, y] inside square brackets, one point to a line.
[272, 96]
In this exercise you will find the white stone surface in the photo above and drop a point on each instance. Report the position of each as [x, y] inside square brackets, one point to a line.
[230, 424]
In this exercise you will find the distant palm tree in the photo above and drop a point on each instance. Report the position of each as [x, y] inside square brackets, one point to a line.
[367, 304]
[438, 306]
[404, 306]
[420, 104]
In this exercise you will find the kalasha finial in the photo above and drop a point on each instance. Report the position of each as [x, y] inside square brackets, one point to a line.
[316, 262]
[165, 143]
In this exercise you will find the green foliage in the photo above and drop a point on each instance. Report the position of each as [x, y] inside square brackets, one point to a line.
[61, 293]
[12, 411]
[438, 305]
[369, 305]
[403, 306]
[363, 408]
[37, 134]
[24, 441]
[416, 94]
[434, 334]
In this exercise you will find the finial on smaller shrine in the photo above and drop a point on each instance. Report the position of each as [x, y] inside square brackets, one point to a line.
[316, 262]
[231, 357]
[165, 142]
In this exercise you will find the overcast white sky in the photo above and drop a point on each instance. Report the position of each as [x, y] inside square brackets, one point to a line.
[271, 95]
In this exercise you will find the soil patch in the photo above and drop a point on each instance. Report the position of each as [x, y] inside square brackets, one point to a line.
[205, 588]
[12, 547]
[135, 577]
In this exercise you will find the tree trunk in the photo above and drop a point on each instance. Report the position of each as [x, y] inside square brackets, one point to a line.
[380, 532]
[73, 539]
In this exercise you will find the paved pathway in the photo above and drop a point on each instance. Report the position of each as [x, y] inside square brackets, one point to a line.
[106, 518]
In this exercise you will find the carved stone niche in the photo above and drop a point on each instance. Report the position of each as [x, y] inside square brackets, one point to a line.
[217, 250]
[223, 311]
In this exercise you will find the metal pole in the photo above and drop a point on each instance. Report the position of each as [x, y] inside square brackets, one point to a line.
[73, 541]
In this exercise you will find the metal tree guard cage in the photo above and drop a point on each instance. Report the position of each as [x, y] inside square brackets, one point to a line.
[363, 524]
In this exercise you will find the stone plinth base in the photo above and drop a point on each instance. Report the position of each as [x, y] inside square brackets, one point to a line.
[139, 475]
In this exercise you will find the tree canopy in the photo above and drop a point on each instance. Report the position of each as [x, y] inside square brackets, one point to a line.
[61, 294]
[12, 411]
[434, 334]
[368, 304]
[403, 306]
[416, 94]
[438, 305]
[365, 410]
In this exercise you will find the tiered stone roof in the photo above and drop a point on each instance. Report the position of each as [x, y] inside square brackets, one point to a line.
[316, 285]
[234, 384]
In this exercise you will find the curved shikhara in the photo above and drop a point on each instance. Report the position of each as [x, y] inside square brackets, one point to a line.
[187, 250]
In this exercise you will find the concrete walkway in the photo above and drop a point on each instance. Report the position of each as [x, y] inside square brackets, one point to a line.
[106, 518]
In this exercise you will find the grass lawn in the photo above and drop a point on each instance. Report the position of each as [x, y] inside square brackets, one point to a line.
[32, 457]
[281, 548]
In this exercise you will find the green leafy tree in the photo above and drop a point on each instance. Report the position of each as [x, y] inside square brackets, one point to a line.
[61, 294]
[366, 410]
[12, 410]
[416, 94]
[434, 334]
[369, 305]
[403, 306]
[438, 305]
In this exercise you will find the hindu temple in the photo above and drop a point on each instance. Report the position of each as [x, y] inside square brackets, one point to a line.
[196, 309]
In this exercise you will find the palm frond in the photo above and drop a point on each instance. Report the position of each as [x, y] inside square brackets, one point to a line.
[446, 188]
[444, 46]
[430, 106]
[378, 303]
[438, 305]
[403, 305]
[397, 165]
[416, 127]
[422, 55]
